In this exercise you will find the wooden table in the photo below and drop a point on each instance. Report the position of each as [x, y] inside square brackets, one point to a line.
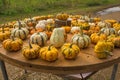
[85, 62]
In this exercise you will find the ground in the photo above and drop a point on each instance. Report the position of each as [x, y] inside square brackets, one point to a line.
[16, 73]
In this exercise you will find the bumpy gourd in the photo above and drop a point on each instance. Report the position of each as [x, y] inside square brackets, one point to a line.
[57, 38]
[31, 51]
[103, 49]
[49, 53]
[13, 44]
[39, 38]
[70, 51]
[4, 34]
[95, 37]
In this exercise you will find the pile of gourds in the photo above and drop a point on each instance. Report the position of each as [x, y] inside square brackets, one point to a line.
[46, 41]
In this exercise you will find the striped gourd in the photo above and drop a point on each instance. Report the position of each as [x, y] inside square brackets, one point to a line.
[39, 38]
[19, 32]
[81, 40]
[108, 31]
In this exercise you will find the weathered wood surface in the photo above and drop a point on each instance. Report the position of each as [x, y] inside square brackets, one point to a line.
[85, 62]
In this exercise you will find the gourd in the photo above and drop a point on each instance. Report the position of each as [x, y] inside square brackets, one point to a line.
[82, 40]
[30, 22]
[31, 51]
[4, 34]
[62, 16]
[48, 53]
[13, 44]
[103, 49]
[39, 38]
[20, 32]
[66, 28]
[17, 24]
[70, 50]
[75, 30]
[108, 31]
[57, 38]
[116, 41]
[95, 37]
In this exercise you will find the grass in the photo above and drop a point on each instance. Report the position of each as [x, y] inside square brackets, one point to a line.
[23, 8]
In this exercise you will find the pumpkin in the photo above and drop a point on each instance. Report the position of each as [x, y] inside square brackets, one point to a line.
[39, 38]
[49, 27]
[85, 25]
[49, 33]
[66, 28]
[4, 34]
[116, 26]
[111, 21]
[49, 53]
[116, 41]
[118, 32]
[62, 16]
[95, 37]
[20, 32]
[82, 40]
[57, 38]
[13, 44]
[70, 50]
[17, 24]
[40, 26]
[75, 30]
[30, 22]
[31, 51]
[108, 31]
[101, 24]
[103, 49]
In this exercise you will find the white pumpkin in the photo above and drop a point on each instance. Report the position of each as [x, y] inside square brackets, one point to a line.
[101, 24]
[108, 31]
[41, 26]
[39, 38]
[82, 40]
[23, 24]
[75, 29]
[57, 37]
[50, 21]
[20, 32]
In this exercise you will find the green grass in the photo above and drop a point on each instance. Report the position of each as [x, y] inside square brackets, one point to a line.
[14, 9]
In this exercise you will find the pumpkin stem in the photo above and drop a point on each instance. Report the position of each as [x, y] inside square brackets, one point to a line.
[3, 31]
[71, 45]
[81, 30]
[12, 37]
[49, 47]
[20, 25]
[30, 44]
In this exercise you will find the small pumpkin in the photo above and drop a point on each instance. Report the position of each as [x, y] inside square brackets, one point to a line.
[67, 28]
[31, 51]
[108, 31]
[116, 41]
[18, 23]
[95, 37]
[57, 38]
[39, 38]
[13, 44]
[4, 34]
[20, 32]
[30, 22]
[82, 40]
[75, 30]
[103, 49]
[49, 53]
[62, 16]
[70, 50]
